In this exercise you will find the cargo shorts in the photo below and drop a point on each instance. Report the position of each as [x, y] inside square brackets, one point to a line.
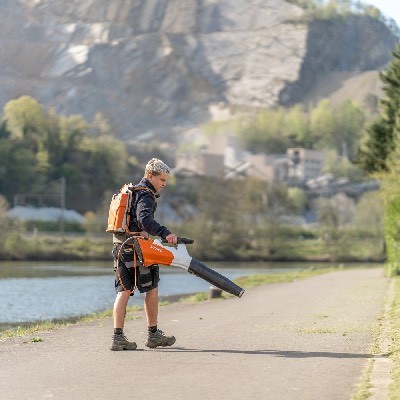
[147, 278]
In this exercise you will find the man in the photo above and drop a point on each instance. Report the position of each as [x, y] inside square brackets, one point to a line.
[142, 220]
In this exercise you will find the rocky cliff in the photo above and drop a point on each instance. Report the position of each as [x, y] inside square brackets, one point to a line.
[157, 67]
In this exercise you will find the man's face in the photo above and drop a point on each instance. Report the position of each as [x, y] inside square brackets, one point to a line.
[158, 181]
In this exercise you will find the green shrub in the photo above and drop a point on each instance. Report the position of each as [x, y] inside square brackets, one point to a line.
[392, 269]
[14, 245]
[392, 236]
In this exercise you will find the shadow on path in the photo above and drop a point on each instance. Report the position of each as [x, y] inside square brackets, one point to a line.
[274, 353]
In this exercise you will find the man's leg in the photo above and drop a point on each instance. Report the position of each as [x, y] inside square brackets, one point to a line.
[119, 310]
[156, 337]
[120, 342]
[151, 307]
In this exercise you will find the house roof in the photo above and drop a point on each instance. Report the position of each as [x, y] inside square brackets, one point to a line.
[28, 213]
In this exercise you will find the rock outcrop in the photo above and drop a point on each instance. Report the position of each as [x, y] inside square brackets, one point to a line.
[154, 68]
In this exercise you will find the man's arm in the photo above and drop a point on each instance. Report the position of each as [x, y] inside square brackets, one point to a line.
[145, 219]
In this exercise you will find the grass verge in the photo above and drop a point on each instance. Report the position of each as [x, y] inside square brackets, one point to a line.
[394, 313]
[362, 391]
[363, 388]
[40, 326]
[262, 279]
[387, 331]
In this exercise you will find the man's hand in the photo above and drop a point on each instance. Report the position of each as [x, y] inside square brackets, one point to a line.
[172, 238]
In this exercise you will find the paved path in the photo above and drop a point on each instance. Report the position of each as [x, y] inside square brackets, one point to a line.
[308, 339]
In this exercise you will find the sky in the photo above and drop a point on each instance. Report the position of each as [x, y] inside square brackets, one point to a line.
[389, 8]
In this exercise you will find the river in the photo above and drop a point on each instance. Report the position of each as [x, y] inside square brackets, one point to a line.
[37, 291]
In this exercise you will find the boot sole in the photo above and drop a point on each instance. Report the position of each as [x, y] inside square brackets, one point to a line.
[119, 348]
[153, 346]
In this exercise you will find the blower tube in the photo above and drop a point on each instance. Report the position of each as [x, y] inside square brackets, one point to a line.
[202, 271]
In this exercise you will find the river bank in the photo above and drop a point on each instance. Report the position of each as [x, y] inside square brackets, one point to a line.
[81, 247]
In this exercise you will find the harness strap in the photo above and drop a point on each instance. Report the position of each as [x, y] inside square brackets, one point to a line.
[134, 264]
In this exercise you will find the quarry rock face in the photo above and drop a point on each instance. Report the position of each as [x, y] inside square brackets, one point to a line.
[155, 68]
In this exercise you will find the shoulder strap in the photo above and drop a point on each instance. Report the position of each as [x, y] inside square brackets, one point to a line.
[137, 188]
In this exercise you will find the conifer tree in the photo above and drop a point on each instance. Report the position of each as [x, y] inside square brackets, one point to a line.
[373, 155]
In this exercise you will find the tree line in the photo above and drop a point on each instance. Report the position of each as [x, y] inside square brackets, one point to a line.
[38, 147]
[321, 9]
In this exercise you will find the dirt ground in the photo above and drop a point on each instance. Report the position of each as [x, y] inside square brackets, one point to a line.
[308, 339]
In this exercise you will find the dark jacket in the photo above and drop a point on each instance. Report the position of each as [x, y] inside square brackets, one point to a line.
[143, 209]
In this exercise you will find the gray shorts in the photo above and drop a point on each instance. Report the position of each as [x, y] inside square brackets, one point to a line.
[147, 278]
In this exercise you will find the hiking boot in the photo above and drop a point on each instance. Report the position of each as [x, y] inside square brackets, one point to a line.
[159, 339]
[120, 342]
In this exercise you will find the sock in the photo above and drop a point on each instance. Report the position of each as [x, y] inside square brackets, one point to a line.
[118, 331]
[153, 329]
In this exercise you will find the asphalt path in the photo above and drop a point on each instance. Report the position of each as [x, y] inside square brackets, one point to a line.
[308, 339]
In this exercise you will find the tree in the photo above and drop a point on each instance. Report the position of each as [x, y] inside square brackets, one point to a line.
[100, 125]
[329, 224]
[38, 147]
[375, 151]
[25, 119]
[391, 196]
[265, 132]
[323, 122]
[349, 123]
[369, 213]
[341, 167]
[16, 172]
[298, 199]
[297, 126]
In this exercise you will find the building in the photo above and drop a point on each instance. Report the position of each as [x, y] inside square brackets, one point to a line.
[222, 157]
[304, 164]
[202, 164]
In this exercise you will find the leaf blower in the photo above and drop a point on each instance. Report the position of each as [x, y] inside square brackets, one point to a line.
[154, 251]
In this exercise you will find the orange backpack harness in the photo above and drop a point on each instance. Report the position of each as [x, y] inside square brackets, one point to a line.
[119, 217]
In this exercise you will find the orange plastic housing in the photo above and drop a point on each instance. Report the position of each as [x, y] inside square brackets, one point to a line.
[118, 218]
[154, 253]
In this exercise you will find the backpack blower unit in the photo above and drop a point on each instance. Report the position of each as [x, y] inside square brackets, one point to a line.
[154, 251]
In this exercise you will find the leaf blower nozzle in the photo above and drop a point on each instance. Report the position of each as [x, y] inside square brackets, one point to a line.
[202, 271]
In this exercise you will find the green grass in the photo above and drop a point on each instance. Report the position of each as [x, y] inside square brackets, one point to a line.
[395, 340]
[31, 329]
[363, 388]
[393, 334]
[41, 326]
[263, 279]
[195, 298]
[35, 339]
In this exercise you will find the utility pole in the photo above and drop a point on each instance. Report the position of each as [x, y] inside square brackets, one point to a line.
[62, 205]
